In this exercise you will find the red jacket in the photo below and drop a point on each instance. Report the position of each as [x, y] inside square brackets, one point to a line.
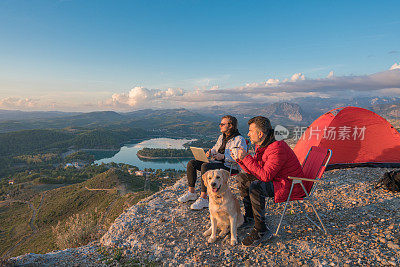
[275, 163]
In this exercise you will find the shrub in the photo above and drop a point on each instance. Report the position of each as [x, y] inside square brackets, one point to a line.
[78, 230]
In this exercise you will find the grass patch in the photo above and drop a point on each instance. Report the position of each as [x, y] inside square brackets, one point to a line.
[14, 224]
[39, 243]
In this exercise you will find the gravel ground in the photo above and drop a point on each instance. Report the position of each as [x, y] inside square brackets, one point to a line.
[363, 225]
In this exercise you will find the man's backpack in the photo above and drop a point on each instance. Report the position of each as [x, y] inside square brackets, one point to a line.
[390, 181]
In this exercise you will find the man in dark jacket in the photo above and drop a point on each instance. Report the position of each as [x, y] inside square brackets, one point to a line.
[266, 176]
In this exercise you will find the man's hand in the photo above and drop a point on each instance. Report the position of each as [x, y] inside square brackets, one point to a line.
[240, 154]
[208, 153]
[219, 156]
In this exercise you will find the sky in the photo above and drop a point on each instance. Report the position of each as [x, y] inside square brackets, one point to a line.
[73, 55]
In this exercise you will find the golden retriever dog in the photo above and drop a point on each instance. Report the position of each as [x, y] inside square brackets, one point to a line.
[224, 207]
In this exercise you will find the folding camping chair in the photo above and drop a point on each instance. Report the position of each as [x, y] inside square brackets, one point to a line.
[313, 168]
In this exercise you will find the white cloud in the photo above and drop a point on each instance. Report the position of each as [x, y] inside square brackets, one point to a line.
[16, 103]
[271, 90]
[373, 82]
[47, 104]
[269, 82]
[297, 77]
[395, 66]
[215, 87]
[272, 81]
[386, 82]
[330, 75]
[140, 97]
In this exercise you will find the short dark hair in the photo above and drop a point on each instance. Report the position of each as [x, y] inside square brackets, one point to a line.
[262, 123]
[232, 120]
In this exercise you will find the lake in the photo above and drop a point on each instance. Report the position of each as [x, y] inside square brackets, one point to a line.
[127, 154]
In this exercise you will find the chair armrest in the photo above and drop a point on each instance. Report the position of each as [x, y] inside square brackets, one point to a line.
[303, 179]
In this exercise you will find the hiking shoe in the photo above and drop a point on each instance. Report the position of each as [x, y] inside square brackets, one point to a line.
[248, 221]
[187, 197]
[255, 237]
[200, 204]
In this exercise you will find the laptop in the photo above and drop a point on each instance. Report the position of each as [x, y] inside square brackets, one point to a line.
[199, 154]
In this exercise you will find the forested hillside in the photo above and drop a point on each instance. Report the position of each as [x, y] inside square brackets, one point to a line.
[28, 141]
[177, 122]
[34, 141]
[68, 216]
[105, 138]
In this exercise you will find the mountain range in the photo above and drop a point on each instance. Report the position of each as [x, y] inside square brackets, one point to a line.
[301, 111]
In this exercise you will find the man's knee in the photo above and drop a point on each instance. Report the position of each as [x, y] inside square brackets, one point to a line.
[255, 188]
[242, 184]
[241, 178]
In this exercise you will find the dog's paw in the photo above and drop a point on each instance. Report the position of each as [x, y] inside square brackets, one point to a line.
[223, 234]
[207, 232]
[212, 239]
[233, 242]
[227, 239]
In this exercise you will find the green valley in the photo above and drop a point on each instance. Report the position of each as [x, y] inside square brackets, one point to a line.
[69, 215]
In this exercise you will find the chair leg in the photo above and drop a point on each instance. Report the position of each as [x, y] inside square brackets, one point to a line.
[283, 213]
[315, 211]
[308, 218]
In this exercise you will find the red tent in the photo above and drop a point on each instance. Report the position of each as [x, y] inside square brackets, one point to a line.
[357, 137]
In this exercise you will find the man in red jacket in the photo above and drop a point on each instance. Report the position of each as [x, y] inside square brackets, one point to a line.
[266, 176]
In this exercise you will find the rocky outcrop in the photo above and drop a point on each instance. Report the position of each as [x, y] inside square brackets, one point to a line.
[363, 226]
[355, 214]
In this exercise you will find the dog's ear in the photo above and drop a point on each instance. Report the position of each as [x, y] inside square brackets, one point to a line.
[225, 175]
[205, 178]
